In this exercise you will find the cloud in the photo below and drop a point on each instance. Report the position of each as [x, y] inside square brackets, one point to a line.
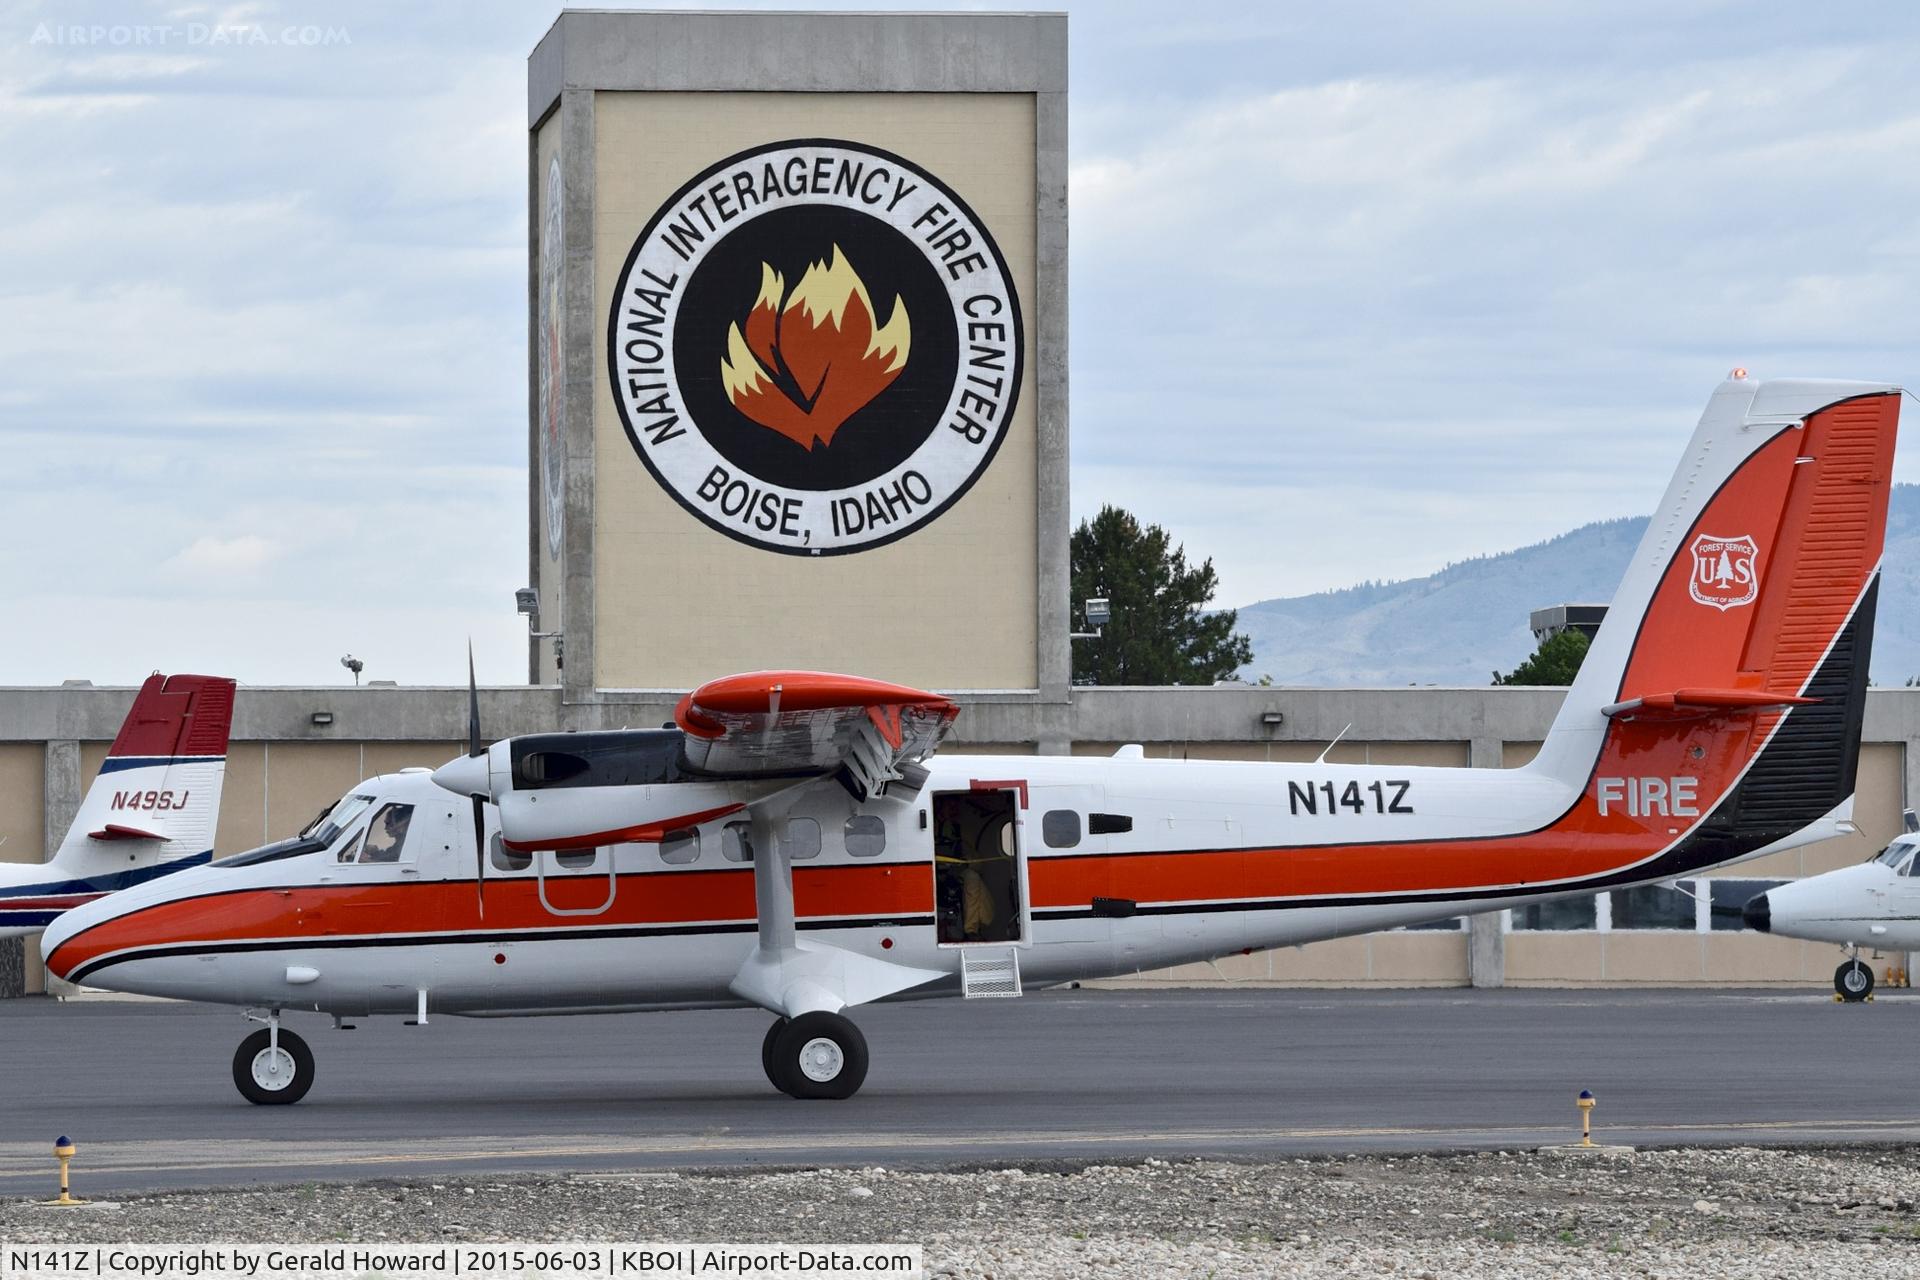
[1356, 290]
[216, 558]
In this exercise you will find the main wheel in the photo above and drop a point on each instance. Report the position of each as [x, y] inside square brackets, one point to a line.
[273, 1078]
[817, 1055]
[766, 1053]
[1853, 980]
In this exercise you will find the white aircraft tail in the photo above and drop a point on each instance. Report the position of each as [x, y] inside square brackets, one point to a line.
[153, 808]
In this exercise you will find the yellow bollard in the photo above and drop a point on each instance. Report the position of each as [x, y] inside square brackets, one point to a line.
[1585, 1102]
[63, 1152]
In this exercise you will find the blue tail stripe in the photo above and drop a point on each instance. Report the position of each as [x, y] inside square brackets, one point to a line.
[101, 884]
[114, 764]
[26, 919]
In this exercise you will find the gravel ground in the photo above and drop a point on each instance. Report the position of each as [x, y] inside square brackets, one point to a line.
[1684, 1213]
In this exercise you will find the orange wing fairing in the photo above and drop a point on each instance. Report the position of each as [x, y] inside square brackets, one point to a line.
[765, 692]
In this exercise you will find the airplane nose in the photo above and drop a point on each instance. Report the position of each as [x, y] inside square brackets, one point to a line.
[1758, 914]
[465, 776]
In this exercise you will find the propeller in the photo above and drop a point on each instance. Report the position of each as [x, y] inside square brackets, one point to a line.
[474, 752]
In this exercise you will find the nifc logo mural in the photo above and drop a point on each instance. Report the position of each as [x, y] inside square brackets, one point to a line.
[815, 347]
[1723, 571]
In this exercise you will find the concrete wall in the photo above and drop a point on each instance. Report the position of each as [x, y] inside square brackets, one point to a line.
[283, 769]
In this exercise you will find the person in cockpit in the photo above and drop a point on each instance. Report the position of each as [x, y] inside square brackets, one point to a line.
[387, 834]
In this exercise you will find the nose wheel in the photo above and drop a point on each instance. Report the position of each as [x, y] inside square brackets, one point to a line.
[273, 1067]
[816, 1055]
[1853, 980]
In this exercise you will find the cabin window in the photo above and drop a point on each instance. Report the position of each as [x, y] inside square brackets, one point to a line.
[866, 835]
[1653, 906]
[1567, 913]
[575, 859]
[736, 842]
[680, 847]
[505, 859]
[801, 839]
[1108, 824]
[1060, 828]
[386, 838]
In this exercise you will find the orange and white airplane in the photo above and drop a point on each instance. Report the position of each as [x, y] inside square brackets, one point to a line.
[152, 809]
[795, 842]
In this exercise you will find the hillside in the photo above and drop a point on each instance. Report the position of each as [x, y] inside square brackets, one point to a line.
[1463, 623]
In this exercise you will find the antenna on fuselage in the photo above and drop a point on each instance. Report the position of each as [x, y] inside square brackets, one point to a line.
[1322, 757]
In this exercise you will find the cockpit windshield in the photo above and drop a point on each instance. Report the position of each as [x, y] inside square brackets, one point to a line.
[315, 836]
[1896, 855]
[337, 819]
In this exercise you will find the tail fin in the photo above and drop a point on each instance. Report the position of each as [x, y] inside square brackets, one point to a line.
[156, 801]
[1749, 604]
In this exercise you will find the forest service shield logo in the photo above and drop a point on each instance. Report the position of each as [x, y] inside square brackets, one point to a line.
[1724, 573]
[815, 347]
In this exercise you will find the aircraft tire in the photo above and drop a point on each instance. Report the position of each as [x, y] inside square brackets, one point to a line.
[819, 1055]
[1854, 981]
[253, 1075]
[766, 1053]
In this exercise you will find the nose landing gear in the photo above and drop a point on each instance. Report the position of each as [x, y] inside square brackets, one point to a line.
[1853, 980]
[273, 1067]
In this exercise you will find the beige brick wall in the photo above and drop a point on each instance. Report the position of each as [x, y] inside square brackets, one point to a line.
[23, 771]
[952, 606]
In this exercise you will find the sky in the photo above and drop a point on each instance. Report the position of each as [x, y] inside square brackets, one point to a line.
[1356, 291]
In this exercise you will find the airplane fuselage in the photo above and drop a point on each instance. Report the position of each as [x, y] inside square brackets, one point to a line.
[1111, 865]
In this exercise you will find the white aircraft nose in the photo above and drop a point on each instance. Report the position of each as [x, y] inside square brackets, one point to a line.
[465, 775]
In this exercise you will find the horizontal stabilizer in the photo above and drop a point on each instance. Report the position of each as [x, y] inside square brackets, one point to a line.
[1693, 704]
[114, 831]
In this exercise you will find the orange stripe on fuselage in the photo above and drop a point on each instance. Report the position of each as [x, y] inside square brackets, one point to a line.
[330, 912]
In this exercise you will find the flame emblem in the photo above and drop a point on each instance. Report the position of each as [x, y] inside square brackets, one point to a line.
[808, 360]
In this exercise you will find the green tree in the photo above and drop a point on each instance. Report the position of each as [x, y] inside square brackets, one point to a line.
[1556, 661]
[1159, 632]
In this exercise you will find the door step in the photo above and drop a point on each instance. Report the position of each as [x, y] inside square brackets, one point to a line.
[989, 972]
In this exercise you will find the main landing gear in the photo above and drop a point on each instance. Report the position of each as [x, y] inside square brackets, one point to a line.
[272, 1067]
[816, 1055]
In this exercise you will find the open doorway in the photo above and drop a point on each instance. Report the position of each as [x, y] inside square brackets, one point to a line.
[976, 866]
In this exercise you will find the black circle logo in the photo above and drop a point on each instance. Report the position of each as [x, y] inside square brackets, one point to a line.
[815, 347]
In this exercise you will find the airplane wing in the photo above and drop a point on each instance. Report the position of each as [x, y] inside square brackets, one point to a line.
[783, 722]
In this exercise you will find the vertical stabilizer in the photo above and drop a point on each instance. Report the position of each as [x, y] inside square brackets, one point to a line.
[153, 807]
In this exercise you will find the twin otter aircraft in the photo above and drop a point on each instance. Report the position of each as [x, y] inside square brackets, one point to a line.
[795, 843]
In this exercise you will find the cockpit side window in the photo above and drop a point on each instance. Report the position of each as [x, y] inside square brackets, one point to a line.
[1910, 868]
[386, 838]
[351, 849]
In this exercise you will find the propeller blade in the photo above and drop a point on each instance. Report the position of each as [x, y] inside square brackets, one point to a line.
[473, 706]
[480, 852]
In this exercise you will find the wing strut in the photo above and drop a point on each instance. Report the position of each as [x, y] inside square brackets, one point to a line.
[789, 975]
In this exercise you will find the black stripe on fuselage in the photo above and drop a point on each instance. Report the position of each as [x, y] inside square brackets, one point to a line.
[579, 933]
